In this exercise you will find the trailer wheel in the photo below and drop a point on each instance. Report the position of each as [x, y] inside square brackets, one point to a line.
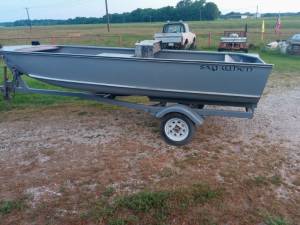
[177, 129]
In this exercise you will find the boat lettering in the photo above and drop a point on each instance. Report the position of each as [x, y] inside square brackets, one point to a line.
[226, 68]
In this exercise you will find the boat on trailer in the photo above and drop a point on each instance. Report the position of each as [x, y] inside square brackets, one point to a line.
[181, 81]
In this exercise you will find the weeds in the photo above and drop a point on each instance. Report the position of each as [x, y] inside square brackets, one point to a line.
[276, 221]
[7, 207]
[167, 172]
[261, 181]
[117, 222]
[108, 192]
[145, 201]
[129, 220]
[157, 205]
[276, 180]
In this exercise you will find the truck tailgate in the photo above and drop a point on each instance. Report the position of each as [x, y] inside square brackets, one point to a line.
[168, 38]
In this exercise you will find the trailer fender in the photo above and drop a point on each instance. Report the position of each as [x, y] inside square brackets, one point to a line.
[188, 112]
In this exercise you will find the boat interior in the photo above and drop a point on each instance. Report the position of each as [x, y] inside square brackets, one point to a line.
[130, 53]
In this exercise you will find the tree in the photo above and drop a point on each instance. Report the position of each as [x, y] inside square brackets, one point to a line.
[211, 11]
[188, 10]
[184, 4]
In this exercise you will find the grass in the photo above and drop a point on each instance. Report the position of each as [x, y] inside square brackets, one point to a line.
[145, 201]
[9, 206]
[21, 101]
[276, 221]
[282, 63]
[262, 181]
[153, 206]
[109, 192]
[117, 222]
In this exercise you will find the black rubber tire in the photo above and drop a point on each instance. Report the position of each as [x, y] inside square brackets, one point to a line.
[191, 126]
[193, 46]
[183, 47]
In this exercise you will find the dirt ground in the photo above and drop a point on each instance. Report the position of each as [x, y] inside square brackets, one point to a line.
[59, 158]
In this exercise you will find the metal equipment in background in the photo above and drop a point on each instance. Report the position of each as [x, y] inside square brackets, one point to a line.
[234, 41]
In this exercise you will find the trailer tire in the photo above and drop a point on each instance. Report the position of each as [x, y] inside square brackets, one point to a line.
[177, 129]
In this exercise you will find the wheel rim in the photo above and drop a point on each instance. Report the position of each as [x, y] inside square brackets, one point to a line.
[177, 129]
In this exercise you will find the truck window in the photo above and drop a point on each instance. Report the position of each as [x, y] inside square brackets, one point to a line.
[174, 28]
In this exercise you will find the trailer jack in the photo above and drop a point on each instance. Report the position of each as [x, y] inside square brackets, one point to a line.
[8, 88]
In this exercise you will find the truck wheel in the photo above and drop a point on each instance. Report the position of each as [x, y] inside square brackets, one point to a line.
[177, 129]
[184, 45]
[193, 46]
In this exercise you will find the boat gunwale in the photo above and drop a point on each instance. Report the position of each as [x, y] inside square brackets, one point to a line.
[160, 60]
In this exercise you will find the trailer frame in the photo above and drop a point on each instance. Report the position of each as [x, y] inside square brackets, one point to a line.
[160, 110]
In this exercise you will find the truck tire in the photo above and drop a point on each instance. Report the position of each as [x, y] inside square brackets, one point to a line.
[184, 45]
[177, 129]
[193, 46]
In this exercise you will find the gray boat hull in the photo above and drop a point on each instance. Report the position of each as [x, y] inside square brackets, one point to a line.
[172, 75]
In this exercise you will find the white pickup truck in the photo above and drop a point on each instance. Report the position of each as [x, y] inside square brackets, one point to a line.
[176, 35]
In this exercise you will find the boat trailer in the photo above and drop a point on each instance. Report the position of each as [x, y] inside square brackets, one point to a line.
[178, 121]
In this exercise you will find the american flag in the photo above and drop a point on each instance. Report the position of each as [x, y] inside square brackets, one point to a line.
[278, 25]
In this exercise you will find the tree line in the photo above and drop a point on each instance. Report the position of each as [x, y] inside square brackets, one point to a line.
[188, 10]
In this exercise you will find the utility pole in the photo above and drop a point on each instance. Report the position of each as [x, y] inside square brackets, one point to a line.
[107, 16]
[29, 20]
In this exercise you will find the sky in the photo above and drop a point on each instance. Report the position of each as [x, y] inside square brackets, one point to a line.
[11, 10]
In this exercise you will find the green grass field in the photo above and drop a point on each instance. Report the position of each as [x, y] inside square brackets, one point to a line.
[127, 35]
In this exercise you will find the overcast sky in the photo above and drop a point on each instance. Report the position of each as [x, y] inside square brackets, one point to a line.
[11, 10]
